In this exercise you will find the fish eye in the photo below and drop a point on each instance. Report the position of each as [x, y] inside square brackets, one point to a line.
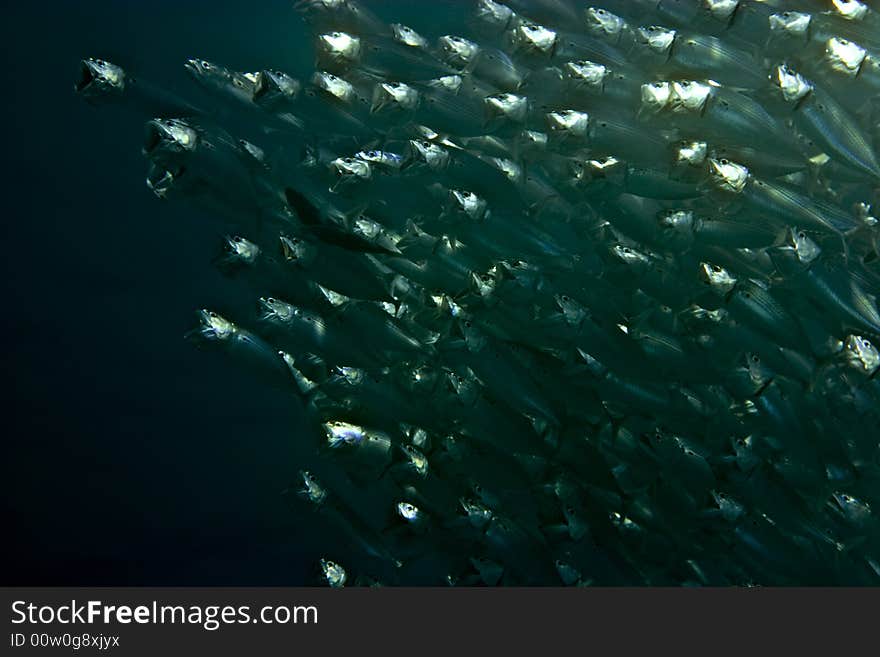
[236, 239]
[212, 314]
[600, 12]
[205, 64]
[755, 359]
[716, 269]
[270, 300]
[564, 298]
[723, 161]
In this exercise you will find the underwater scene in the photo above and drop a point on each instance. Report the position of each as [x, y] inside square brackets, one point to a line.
[478, 293]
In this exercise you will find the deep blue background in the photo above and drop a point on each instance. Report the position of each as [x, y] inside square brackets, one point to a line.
[129, 456]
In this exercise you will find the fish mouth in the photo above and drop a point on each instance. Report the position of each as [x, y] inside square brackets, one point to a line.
[268, 312]
[161, 180]
[205, 331]
[288, 249]
[168, 137]
[153, 137]
[204, 316]
[193, 67]
[86, 76]
[262, 86]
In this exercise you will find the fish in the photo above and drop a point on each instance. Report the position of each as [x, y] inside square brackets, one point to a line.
[101, 82]
[562, 293]
[716, 58]
[210, 159]
[778, 198]
[728, 116]
[819, 115]
[825, 283]
[248, 92]
[333, 573]
[221, 81]
[275, 90]
[248, 349]
[319, 262]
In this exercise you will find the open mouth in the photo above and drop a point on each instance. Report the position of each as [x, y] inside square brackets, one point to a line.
[263, 86]
[269, 311]
[86, 76]
[153, 137]
[288, 251]
[192, 67]
[161, 180]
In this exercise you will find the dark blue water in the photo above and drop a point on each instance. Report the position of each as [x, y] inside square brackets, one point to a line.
[130, 457]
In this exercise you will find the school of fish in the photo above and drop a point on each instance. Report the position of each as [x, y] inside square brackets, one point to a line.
[570, 292]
